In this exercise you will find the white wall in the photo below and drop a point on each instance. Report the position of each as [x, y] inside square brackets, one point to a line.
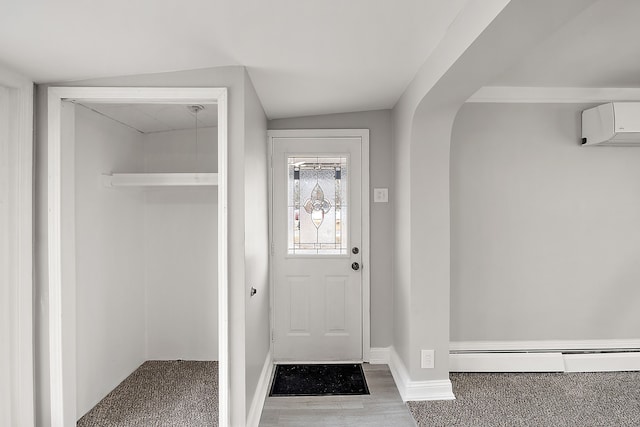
[180, 238]
[110, 289]
[6, 364]
[544, 232]
[178, 151]
[256, 241]
[380, 128]
[16, 249]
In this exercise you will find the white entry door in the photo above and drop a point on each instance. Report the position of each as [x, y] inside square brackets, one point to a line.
[317, 254]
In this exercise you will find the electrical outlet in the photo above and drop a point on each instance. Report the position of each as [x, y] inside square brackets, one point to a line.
[427, 359]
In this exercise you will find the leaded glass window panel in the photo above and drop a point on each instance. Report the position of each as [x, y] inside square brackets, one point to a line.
[317, 205]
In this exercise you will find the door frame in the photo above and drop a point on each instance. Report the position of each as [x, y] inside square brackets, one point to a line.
[19, 231]
[363, 134]
[61, 249]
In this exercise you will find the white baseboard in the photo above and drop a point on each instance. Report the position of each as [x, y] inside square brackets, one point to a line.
[417, 390]
[545, 356]
[262, 389]
[506, 362]
[379, 356]
[549, 346]
[602, 362]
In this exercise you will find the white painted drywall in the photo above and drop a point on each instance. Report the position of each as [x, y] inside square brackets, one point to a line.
[180, 151]
[256, 240]
[16, 249]
[180, 238]
[544, 232]
[381, 166]
[6, 362]
[110, 291]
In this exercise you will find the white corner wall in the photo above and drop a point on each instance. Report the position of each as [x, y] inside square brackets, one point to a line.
[256, 251]
[544, 232]
[109, 255]
[6, 364]
[17, 389]
[180, 238]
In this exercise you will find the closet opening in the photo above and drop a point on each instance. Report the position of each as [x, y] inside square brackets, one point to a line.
[137, 244]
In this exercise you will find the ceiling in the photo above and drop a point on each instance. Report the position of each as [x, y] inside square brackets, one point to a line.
[149, 118]
[304, 57]
[598, 48]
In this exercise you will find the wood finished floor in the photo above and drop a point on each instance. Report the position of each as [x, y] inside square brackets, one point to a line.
[383, 407]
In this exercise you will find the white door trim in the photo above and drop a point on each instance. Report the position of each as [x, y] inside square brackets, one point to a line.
[20, 243]
[61, 341]
[363, 134]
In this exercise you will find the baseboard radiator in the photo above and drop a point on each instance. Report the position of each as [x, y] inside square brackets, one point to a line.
[545, 356]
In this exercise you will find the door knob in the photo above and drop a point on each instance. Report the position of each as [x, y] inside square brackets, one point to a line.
[355, 250]
[355, 266]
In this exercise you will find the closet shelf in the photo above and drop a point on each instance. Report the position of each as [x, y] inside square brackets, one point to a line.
[160, 179]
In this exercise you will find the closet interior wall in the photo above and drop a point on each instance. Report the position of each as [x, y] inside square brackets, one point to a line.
[146, 259]
[180, 235]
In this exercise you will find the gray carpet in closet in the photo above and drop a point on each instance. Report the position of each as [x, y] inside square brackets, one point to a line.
[161, 393]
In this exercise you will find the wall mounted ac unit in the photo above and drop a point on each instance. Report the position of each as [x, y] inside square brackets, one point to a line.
[615, 123]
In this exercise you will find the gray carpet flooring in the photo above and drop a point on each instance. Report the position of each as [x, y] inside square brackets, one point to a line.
[159, 394]
[536, 399]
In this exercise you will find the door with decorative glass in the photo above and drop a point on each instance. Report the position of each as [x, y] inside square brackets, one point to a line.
[316, 248]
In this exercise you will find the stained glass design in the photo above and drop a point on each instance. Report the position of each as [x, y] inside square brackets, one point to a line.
[317, 205]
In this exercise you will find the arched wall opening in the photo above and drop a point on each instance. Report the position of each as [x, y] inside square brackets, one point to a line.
[424, 120]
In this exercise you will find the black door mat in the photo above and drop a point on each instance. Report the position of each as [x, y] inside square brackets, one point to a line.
[319, 380]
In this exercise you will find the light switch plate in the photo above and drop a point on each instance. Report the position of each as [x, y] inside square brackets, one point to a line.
[380, 195]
